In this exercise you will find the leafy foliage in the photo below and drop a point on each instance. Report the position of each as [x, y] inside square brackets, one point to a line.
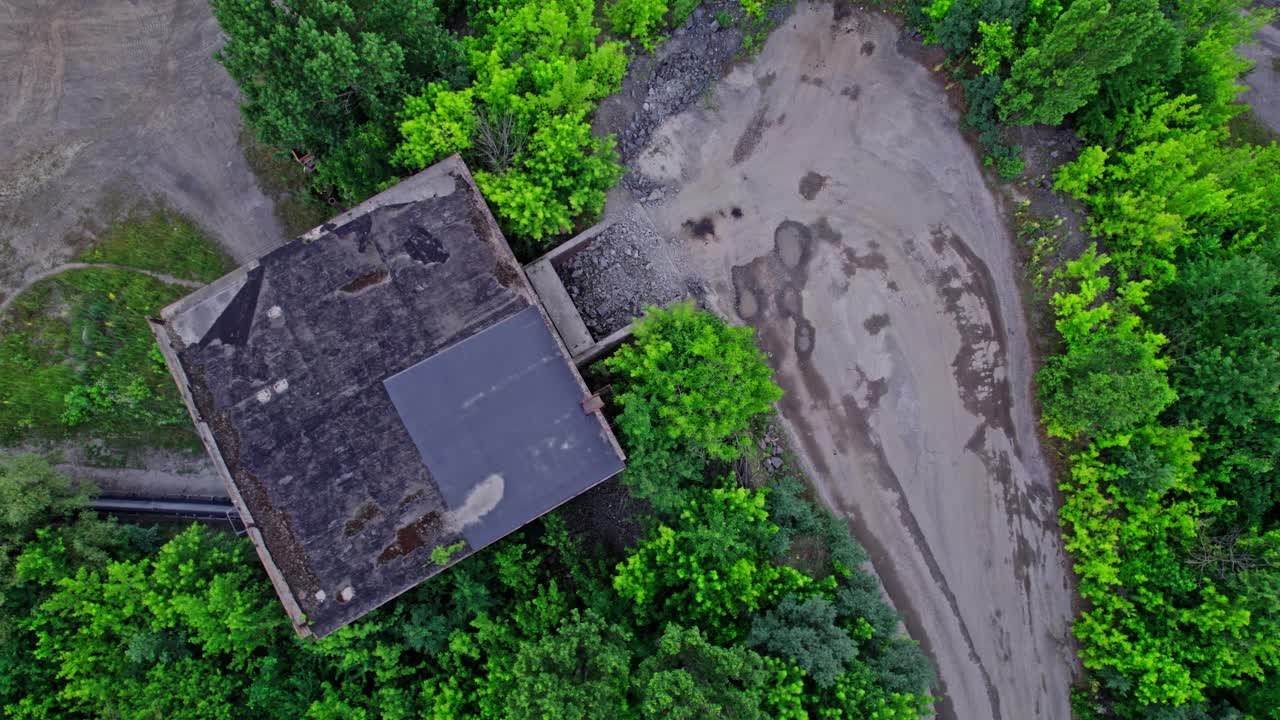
[563, 175]
[693, 378]
[705, 569]
[805, 632]
[996, 46]
[538, 74]
[1089, 40]
[1174, 182]
[329, 77]
[688, 387]
[638, 19]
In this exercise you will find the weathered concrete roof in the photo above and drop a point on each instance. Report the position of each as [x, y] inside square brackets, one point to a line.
[283, 364]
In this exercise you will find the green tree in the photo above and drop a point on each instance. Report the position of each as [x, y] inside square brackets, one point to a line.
[711, 569]
[693, 379]
[804, 631]
[1108, 381]
[523, 123]
[689, 678]
[563, 174]
[1174, 183]
[996, 46]
[580, 670]
[1089, 40]
[33, 495]
[637, 19]
[1222, 315]
[329, 77]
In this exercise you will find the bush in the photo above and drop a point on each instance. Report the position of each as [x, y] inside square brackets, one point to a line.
[523, 122]
[638, 19]
[693, 379]
[563, 174]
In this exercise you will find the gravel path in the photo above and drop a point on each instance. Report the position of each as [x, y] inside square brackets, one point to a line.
[620, 272]
[1264, 82]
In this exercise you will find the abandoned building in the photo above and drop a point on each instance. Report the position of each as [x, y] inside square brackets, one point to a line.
[384, 386]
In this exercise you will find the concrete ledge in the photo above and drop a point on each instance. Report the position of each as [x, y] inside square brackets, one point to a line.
[291, 607]
[603, 347]
[564, 315]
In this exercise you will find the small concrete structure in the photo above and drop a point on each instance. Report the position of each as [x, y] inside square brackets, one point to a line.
[385, 385]
[560, 308]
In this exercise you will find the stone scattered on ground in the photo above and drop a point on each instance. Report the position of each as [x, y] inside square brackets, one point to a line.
[618, 273]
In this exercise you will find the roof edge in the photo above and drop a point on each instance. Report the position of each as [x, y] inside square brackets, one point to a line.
[161, 330]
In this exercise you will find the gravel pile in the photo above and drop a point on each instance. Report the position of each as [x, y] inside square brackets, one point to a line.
[677, 75]
[618, 273]
[695, 55]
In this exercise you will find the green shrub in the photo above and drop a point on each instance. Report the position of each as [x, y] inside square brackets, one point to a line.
[693, 379]
[638, 19]
[564, 174]
[523, 122]
[996, 46]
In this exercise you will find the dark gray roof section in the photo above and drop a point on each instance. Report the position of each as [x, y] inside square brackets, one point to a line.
[498, 419]
[283, 363]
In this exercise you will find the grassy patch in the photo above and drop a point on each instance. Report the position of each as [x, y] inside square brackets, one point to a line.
[77, 360]
[161, 241]
[284, 181]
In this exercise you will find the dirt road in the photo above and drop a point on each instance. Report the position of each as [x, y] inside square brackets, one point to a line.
[1264, 82]
[110, 103]
[826, 197]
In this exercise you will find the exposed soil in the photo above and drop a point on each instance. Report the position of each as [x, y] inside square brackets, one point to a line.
[620, 272]
[151, 474]
[108, 105]
[1264, 80]
[825, 194]
[664, 83]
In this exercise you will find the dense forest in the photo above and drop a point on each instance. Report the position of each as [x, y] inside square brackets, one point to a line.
[1164, 391]
[733, 600]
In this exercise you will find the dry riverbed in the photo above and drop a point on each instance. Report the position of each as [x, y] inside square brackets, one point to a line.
[825, 196]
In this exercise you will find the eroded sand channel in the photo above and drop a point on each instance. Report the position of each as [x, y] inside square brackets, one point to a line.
[826, 196]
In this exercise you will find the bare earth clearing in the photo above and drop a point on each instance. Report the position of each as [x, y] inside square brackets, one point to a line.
[826, 197]
[1264, 81]
[109, 104]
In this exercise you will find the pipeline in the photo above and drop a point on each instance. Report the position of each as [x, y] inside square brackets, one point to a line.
[169, 508]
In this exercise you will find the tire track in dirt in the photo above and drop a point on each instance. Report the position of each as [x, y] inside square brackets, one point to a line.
[53, 272]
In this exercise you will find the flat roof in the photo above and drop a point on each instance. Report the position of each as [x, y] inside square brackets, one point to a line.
[384, 385]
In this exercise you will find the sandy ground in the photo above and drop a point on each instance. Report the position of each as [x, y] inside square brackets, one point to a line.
[167, 475]
[1264, 81]
[107, 104]
[829, 201]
